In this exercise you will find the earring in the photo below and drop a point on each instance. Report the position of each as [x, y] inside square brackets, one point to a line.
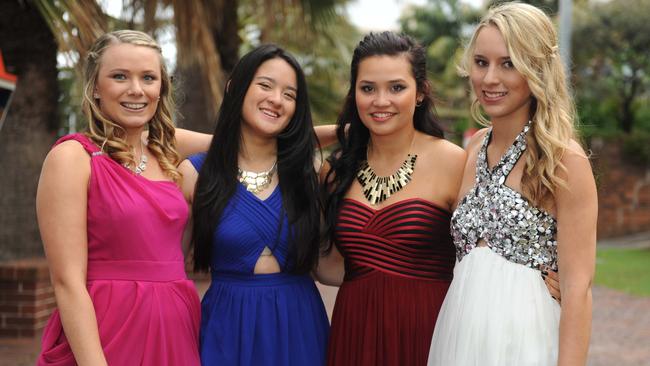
[418, 104]
[96, 95]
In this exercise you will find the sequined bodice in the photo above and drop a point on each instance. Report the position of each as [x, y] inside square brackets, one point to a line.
[494, 212]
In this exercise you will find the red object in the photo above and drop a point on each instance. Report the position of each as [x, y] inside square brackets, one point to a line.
[399, 264]
[7, 80]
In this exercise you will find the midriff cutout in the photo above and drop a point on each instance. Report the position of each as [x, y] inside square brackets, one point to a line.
[266, 263]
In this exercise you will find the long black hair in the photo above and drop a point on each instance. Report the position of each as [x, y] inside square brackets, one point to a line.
[345, 161]
[298, 181]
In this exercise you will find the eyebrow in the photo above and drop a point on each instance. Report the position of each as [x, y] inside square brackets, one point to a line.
[274, 82]
[500, 58]
[389, 81]
[129, 71]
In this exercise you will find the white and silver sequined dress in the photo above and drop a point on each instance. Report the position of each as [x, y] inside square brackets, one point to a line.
[498, 310]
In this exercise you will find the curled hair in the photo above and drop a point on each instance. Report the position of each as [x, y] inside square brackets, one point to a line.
[109, 134]
[552, 109]
[345, 161]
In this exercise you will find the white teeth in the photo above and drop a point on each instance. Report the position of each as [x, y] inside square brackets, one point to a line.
[270, 113]
[494, 94]
[382, 114]
[134, 105]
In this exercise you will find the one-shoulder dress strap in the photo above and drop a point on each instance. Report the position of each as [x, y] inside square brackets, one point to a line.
[84, 140]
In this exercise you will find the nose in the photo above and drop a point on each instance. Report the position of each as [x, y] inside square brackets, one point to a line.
[381, 99]
[275, 97]
[491, 76]
[135, 88]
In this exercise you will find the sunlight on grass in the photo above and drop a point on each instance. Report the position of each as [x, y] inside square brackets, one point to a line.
[624, 269]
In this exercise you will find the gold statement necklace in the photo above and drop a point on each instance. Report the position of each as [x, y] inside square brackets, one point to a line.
[256, 182]
[377, 189]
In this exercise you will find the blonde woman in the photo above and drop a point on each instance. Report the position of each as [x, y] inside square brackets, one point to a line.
[528, 204]
[111, 216]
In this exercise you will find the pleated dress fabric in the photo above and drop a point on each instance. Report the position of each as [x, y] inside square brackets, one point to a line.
[399, 262]
[147, 311]
[258, 319]
[498, 311]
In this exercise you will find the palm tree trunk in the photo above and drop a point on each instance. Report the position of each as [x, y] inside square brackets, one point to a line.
[195, 100]
[29, 130]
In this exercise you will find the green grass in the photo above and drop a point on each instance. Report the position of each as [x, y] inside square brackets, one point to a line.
[624, 269]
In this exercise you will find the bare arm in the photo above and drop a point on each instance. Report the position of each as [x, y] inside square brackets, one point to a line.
[330, 270]
[326, 135]
[61, 209]
[190, 142]
[190, 175]
[577, 210]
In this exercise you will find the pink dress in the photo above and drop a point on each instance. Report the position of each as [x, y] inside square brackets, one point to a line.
[148, 312]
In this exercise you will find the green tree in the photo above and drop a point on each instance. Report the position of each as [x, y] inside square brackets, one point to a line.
[441, 26]
[611, 42]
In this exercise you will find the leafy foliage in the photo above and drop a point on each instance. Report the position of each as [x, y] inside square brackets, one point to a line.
[611, 42]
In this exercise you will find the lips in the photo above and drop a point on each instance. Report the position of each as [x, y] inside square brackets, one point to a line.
[133, 106]
[381, 116]
[270, 113]
[494, 94]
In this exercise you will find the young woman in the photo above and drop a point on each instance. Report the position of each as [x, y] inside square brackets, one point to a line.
[390, 190]
[256, 220]
[111, 217]
[528, 203]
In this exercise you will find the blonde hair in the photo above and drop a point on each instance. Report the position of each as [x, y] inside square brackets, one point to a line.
[531, 40]
[110, 135]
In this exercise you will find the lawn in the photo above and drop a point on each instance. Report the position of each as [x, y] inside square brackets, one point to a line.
[624, 269]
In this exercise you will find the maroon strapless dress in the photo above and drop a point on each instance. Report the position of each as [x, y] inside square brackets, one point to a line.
[399, 263]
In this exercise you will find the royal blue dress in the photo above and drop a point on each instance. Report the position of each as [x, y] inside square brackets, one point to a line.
[258, 319]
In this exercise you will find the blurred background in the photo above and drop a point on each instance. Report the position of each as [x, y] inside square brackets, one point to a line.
[605, 45]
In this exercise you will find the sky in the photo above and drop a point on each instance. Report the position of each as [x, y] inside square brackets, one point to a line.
[370, 15]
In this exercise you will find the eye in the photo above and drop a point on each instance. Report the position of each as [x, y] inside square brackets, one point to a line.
[366, 88]
[508, 64]
[118, 76]
[480, 62]
[149, 78]
[397, 88]
[264, 86]
[290, 96]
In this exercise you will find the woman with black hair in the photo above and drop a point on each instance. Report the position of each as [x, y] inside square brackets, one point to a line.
[389, 193]
[256, 220]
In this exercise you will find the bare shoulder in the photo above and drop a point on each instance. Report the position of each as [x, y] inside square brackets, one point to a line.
[445, 153]
[68, 155]
[575, 159]
[477, 139]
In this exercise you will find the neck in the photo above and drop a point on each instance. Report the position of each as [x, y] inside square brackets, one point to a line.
[504, 133]
[257, 153]
[390, 147]
[134, 138]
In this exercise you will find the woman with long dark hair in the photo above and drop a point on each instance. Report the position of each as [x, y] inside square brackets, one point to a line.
[256, 220]
[388, 193]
